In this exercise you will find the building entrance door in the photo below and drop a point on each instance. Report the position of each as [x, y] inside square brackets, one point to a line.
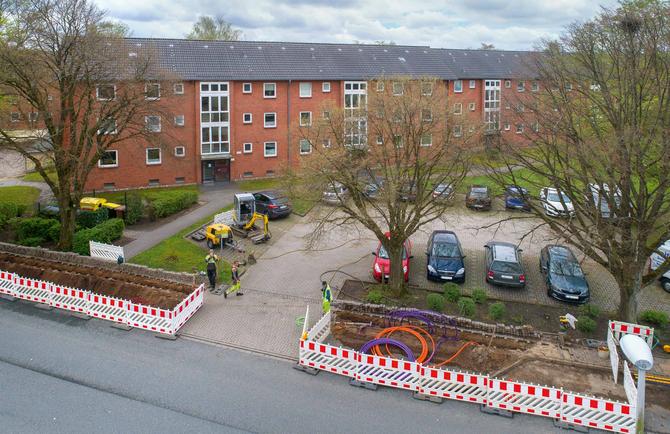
[208, 171]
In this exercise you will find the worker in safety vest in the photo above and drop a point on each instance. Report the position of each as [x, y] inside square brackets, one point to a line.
[235, 278]
[211, 260]
[327, 296]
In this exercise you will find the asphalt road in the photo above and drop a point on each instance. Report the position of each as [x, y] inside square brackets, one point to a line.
[63, 374]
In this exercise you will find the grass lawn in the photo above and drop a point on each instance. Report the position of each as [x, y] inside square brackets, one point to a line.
[24, 197]
[178, 254]
[147, 193]
[36, 177]
[523, 177]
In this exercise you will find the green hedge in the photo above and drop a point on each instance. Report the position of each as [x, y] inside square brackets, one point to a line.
[35, 228]
[105, 232]
[134, 208]
[171, 204]
[89, 219]
[8, 210]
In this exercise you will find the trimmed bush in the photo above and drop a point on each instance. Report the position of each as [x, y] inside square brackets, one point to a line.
[654, 317]
[105, 232]
[89, 219]
[479, 296]
[172, 203]
[134, 208]
[497, 310]
[8, 210]
[34, 227]
[435, 302]
[466, 306]
[32, 242]
[375, 296]
[585, 324]
[452, 292]
[590, 310]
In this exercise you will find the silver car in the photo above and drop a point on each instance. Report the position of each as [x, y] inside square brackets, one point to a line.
[335, 193]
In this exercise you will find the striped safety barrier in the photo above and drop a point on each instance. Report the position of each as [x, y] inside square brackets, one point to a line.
[524, 398]
[107, 307]
[32, 289]
[597, 413]
[388, 372]
[462, 386]
[72, 299]
[325, 357]
[620, 328]
[6, 283]
[185, 310]
[150, 318]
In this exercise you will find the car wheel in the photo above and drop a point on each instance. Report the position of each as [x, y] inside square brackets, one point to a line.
[210, 244]
[666, 284]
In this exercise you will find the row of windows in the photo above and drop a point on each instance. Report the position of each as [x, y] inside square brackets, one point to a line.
[270, 89]
[152, 91]
[110, 158]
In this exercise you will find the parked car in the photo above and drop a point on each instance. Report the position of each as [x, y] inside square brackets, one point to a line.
[551, 202]
[516, 198]
[503, 264]
[657, 259]
[563, 274]
[273, 203]
[478, 197]
[443, 192]
[373, 187]
[408, 191]
[444, 257]
[381, 267]
[665, 281]
[602, 200]
[335, 193]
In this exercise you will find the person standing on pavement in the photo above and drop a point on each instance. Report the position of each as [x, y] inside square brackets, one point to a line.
[211, 260]
[235, 278]
[327, 297]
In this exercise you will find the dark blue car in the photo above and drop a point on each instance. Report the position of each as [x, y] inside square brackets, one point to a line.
[563, 274]
[516, 198]
[445, 258]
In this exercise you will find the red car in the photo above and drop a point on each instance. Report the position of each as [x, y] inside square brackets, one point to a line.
[381, 267]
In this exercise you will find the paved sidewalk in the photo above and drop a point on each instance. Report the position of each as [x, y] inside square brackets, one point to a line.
[216, 197]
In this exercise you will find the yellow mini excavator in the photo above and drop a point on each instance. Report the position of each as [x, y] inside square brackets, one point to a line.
[245, 217]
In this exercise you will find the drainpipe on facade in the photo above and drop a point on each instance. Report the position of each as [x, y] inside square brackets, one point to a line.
[288, 124]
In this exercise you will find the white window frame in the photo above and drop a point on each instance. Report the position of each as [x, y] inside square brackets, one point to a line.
[458, 86]
[146, 123]
[16, 118]
[380, 86]
[146, 92]
[179, 118]
[310, 119]
[325, 87]
[244, 87]
[425, 112]
[508, 84]
[379, 139]
[97, 92]
[104, 133]
[458, 108]
[568, 87]
[244, 148]
[300, 143]
[430, 136]
[107, 166]
[34, 116]
[472, 106]
[396, 85]
[183, 151]
[177, 86]
[303, 86]
[472, 84]
[274, 90]
[154, 163]
[325, 114]
[430, 90]
[521, 86]
[244, 118]
[266, 124]
[458, 130]
[265, 149]
[326, 143]
[535, 86]
[507, 126]
[518, 128]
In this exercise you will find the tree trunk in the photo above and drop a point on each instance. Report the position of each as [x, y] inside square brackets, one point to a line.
[396, 273]
[629, 289]
[68, 213]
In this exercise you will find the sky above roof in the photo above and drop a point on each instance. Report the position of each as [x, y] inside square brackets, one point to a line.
[513, 25]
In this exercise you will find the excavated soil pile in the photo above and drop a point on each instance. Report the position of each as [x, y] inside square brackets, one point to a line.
[138, 289]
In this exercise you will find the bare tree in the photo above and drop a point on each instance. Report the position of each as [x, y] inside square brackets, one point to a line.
[389, 147]
[214, 29]
[487, 46]
[600, 116]
[84, 88]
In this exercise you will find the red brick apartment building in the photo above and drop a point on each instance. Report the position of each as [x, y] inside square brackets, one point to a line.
[234, 103]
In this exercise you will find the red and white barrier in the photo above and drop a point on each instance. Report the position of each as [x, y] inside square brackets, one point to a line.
[6, 283]
[107, 307]
[321, 329]
[388, 372]
[324, 357]
[150, 318]
[620, 328]
[524, 398]
[185, 310]
[72, 299]
[462, 386]
[598, 413]
[32, 289]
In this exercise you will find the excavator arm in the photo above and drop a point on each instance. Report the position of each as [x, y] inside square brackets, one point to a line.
[266, 228]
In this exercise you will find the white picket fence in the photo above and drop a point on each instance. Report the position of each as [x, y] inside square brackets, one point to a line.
[162, 321]
[107, 252]
[489, 392]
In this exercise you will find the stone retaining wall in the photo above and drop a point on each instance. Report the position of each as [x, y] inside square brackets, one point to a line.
[75, 259]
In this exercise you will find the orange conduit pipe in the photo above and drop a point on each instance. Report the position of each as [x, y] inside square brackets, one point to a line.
[464, 346]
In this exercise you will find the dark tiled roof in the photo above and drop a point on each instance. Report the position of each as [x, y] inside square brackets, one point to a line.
[249, 60]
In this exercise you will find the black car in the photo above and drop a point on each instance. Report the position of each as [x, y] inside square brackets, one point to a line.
[516, 198]
[478, 197]
[408, 191]
[564, 276]
[373, 187]
[444, 260]
[273, 203]
[503, 264]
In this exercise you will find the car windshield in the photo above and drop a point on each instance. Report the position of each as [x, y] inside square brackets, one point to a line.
[506, 267]
[517, 191]
[334, 189]
[566, 268]
[441, 188]
[478, 192]
[446, 250]
[384, 254]
[553, 197]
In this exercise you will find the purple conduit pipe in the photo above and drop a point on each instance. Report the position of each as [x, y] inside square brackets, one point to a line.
[416, 314]
[386, 341]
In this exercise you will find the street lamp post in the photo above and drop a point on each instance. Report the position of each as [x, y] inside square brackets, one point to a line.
[638, 353]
